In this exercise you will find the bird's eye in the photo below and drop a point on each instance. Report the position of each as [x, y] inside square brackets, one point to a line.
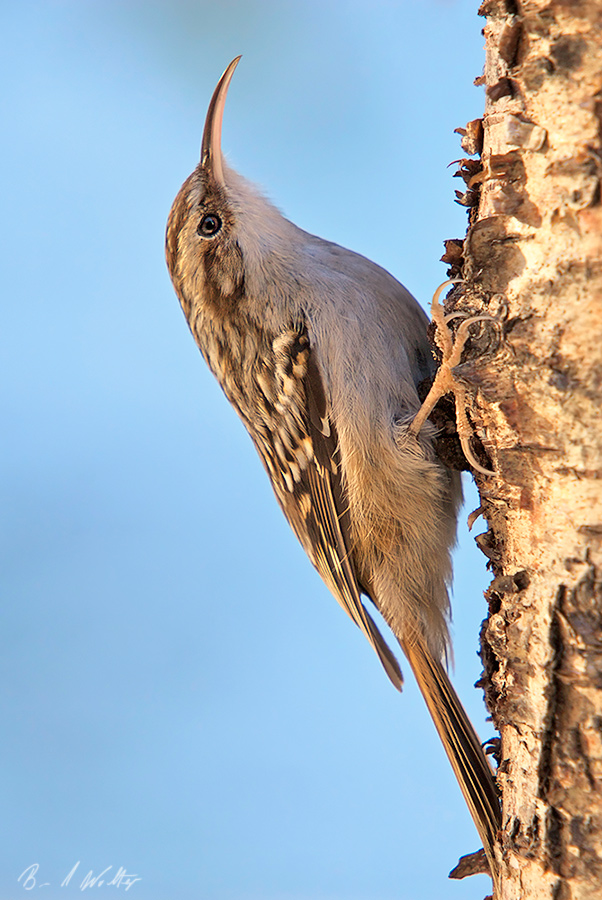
[209, 225]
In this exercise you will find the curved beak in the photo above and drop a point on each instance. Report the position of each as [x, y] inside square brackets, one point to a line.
[211, 148]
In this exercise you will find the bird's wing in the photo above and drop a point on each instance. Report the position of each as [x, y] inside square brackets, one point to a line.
[298, 444]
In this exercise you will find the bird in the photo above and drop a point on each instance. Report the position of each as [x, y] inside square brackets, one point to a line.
[321, 352]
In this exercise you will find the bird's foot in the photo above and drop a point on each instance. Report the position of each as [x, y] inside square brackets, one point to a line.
[445, 382]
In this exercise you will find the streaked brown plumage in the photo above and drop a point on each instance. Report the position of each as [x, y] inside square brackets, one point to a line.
[321, 351]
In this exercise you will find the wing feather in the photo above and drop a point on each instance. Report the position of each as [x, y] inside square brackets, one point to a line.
[304, 468]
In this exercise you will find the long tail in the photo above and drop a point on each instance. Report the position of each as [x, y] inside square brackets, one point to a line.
[462, 746]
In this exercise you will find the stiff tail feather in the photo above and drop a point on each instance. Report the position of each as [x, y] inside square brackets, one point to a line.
[462, 746]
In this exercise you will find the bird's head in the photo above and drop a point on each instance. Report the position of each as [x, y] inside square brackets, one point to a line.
[222, 234]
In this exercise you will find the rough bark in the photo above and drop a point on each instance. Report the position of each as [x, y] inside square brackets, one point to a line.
[533, 259]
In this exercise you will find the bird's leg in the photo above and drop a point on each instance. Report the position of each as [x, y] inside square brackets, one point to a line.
[445, 382]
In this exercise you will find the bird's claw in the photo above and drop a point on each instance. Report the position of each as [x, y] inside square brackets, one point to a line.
[445, 381]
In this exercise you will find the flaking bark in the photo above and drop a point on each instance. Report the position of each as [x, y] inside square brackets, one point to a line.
[532, 258]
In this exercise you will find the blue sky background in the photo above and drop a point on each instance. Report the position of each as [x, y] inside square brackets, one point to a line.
[181, 695]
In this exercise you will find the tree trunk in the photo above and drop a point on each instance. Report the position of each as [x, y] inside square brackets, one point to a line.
[533, 259]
